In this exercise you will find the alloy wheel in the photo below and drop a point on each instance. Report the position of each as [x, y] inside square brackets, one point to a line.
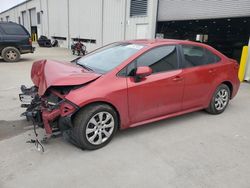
[221, 99]
[99, 128]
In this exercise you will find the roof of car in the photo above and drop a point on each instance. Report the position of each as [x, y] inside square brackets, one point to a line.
[162, 41]
[157, 42]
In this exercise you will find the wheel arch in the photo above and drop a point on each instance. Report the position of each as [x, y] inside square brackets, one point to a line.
[101, 102]
[227, 83]
[9, 46]
[230, 86]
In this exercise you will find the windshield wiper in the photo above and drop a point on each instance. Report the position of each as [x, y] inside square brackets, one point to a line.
[75, 60]
[85, 67]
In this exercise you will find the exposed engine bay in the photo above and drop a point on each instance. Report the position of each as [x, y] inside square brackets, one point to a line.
[51, 111]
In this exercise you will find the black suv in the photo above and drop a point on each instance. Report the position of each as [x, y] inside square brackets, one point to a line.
[14, 40]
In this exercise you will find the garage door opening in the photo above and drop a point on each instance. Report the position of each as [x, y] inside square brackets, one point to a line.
[227, 35]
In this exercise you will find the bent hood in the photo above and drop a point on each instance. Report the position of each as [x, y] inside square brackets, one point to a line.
[47, 73]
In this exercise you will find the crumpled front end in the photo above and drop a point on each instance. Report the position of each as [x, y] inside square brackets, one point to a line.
[51, 111]
[46, 104]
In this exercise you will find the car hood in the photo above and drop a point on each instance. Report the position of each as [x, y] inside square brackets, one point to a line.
[47, 73]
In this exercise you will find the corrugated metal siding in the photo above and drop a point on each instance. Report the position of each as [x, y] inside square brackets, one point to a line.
[33, 18]
[202, 9]
[85, 19]
[113, 20]
[58, 20]
[25, 21]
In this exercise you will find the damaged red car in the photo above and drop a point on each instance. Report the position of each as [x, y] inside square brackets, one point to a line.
[126, 84]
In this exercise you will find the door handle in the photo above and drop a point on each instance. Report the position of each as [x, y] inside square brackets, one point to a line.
[177, 79]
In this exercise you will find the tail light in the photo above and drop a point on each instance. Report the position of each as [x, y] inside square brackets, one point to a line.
[30, 41]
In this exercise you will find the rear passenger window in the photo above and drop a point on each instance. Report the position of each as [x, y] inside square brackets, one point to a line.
[13, 29]
[160, 59]
[197, 56]
[211, 58]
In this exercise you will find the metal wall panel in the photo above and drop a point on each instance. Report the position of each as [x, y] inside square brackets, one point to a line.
[113, 20]
[85, 21]
[202, 9]
[58, 20]
[33, 17]
[25, 19]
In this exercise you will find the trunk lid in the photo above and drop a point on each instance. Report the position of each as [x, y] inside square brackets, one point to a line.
[47, 73]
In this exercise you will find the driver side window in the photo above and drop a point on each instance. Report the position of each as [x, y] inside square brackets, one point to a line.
[159, 59]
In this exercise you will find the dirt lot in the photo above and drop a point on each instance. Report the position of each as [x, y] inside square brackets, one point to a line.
[193, 150]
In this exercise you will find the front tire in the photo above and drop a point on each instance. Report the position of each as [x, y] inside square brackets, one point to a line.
[11, 54]
[219, 100]
[94, 126]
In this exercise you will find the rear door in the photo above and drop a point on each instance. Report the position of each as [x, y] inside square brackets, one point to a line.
[161, 92]
[199, 72]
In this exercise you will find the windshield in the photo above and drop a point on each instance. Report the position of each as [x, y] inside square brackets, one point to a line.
[109, 57]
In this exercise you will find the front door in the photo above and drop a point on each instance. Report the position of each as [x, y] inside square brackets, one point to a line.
[161, 92]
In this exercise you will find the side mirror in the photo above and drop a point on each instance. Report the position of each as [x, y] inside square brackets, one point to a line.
[142, 72]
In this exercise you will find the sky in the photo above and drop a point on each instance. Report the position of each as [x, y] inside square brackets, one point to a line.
[6, 4]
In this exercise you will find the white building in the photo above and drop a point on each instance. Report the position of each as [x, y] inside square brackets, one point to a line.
[224, 24]
[98, 22]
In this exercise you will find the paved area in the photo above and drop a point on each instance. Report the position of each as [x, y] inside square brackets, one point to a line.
[193, 150]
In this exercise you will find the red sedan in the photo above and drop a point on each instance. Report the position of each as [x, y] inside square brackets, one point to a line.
[126, 84]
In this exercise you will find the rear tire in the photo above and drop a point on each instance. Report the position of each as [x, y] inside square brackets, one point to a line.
[219, 100]
[94, 126]
[11, 54]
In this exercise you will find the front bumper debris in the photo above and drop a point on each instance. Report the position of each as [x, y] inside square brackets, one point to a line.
[50, 115]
